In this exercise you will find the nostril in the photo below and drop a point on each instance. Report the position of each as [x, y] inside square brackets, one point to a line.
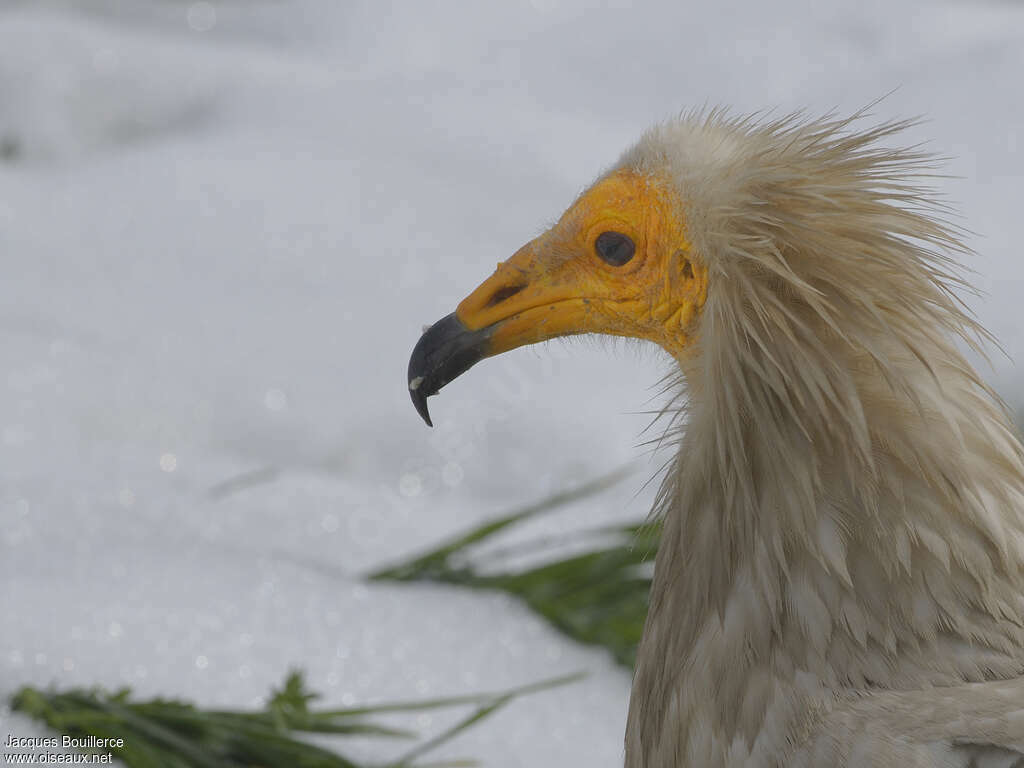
[504, 293]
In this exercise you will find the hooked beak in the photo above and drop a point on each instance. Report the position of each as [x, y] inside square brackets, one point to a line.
[516, 305]
[445, 351]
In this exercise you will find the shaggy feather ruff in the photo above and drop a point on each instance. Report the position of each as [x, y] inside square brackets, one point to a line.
[841, 575]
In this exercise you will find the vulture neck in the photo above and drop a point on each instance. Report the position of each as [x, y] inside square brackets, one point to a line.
[826, 531]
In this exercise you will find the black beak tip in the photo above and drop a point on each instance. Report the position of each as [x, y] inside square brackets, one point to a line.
[419, 399]
[445, 351]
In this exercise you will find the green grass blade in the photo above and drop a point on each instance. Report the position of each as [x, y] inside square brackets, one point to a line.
[488, 706]
[437, 561]
[455, 701]
[599, 597]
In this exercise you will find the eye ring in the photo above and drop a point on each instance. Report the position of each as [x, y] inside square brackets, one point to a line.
[614, 248]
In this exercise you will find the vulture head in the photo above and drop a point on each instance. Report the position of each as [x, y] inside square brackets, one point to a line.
[617, 262]
[843, 524]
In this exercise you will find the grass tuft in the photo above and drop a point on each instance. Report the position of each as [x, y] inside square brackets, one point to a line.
[598, 597]
[162, 733]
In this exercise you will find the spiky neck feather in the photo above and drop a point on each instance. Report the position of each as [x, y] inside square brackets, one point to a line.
[846, 509]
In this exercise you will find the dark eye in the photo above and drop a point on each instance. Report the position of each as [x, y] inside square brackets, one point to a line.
[614, 248]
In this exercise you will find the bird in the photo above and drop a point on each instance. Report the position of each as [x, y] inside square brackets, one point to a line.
[840, 574]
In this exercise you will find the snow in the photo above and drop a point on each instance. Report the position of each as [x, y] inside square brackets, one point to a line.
[222, 226]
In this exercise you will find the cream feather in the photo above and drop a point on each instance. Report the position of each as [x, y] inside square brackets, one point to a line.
[841, 575]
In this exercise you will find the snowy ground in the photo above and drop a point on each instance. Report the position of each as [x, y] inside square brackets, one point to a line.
[221, 228]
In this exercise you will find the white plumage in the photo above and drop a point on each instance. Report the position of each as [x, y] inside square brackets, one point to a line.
[841, 576]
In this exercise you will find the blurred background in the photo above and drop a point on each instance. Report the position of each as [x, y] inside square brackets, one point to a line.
[222, 226]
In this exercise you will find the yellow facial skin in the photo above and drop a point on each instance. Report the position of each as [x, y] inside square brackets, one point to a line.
[557, 285]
